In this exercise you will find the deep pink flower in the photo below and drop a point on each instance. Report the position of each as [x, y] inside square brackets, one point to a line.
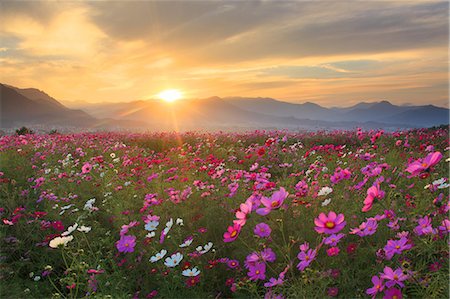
[333, 251]
[333, 291]
[419, 166]
[233, 264]
[272, 203]
[445, 227]
[373, 193]
[377, 286]
[126, 243]
[394, 277]
[232, 233]
[330, 224]
[262, 230]
[393, 293]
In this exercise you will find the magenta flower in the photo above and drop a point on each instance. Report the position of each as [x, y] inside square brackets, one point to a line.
[365, 228]
[396, 247]
[233, 264]
[257, 271]
[424, 227]
[419, 166]
[272, 203]
[243, 213]
[333, 239]
[393, 293]
[262, 230]
[126, 243]
[394, 277]
[330, 224]
[372, 193]
[232, 233]
[377, 286]
[445, 227]
[333, 251]
[306, 258]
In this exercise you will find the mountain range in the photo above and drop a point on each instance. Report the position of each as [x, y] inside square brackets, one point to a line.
[31, 106]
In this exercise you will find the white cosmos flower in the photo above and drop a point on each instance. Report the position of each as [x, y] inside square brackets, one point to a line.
[150, 235]
[158, 256]
[151, 225]
[173, 260]
[326, 202]
[203, 250]
[89, 205]
[180, 222]
[84, 229]
[325, 191]
[60, 241]
[191, 272]
[70, 230]
[187, 242]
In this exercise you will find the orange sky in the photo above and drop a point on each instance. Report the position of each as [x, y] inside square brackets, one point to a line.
[331, 53]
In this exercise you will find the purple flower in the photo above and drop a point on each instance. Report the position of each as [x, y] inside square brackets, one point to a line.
[377, 286]
[445, 227]
[233, 264]
[424, 227]
[268, 255]
[396, 247]
[257, 271]
[393, 293]
[365, 228]
[126, 243]
[334, 239]
[393, 277]
[262, 230]
[306, 258]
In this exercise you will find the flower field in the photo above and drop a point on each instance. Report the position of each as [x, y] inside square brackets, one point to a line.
[348, 214]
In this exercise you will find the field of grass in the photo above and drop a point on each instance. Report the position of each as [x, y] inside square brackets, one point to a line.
[262, 214]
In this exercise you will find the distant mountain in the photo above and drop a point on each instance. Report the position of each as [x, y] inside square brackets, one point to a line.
[32, 107]
[378, 112]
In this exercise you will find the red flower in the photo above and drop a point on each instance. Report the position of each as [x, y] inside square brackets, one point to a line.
[192, 281]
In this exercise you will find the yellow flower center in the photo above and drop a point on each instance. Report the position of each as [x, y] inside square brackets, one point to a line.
[329, 224]
[397, 247]
[257, 272]
[233, 234]
[424, 164]
[126, 245]
[274, 204]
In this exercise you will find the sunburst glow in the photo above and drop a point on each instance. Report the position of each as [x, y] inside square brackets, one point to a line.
[170, 95]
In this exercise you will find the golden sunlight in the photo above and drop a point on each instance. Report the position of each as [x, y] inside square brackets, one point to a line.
[170, 95]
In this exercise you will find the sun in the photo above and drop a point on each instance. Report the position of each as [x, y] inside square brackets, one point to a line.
[170, 95]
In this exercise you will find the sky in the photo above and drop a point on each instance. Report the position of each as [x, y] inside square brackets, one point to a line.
[333, 53]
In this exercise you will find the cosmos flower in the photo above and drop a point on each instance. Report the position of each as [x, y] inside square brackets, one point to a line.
[306, 258]
[126, 243]
[424, 227]
[396, 247]
[60, 241]
[333, 239]
[191, 272]
[272, 203]
[330, 224]
[173, 260]
[373, 193]
[262, 230]
[87, 167]
[392, 293]
[232, 233]
[417, 167]
[257, 271]
[151, 225]
[393, 277]
[378, 286]
[243, 213]
[158, 256]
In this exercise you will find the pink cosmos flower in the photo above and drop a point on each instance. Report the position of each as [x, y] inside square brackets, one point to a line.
[333, 251]
[445, 227]
[262, 230]
[87, 167]
[396, 247]
[330, 224]
[393, 293]
[232, 233]
[306, 258]
[372, 193]
[365, 228]
[417, 167]
[377, 286]
[257, 271]
[272, 203]
[126, 244]
[394, 277]
[243, 213]
[268, 255]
